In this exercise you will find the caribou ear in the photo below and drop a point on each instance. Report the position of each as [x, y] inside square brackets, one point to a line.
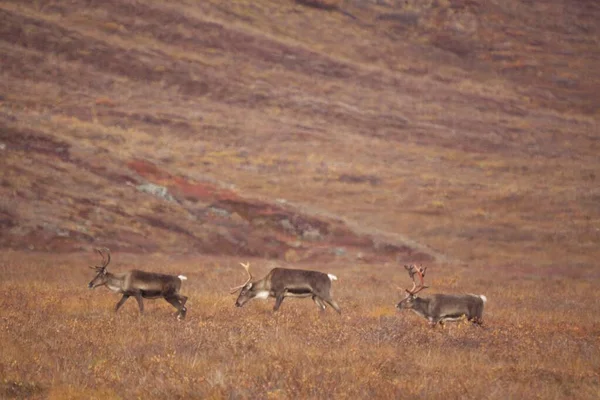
[249, 286]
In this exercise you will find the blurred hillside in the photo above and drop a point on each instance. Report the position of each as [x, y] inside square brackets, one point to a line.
[425, 130]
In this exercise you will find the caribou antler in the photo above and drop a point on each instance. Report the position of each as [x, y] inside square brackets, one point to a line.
[247, 268]
[101, 251]
[412, 271]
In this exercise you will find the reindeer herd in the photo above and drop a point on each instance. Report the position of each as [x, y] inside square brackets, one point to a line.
[281, 283]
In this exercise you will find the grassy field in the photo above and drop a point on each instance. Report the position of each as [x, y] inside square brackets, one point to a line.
[61, 340]
[188, 136]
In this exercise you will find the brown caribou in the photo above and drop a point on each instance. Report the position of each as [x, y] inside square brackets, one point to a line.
[438, 308]
[283, 282]
[139, 284]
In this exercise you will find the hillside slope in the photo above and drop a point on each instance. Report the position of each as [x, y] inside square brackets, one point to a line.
[464, 130]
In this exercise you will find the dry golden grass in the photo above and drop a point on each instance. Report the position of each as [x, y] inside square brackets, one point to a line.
[61, 340]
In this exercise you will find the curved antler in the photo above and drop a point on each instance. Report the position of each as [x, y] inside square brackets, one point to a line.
[101, 251]
[247, 268]
[412, 271]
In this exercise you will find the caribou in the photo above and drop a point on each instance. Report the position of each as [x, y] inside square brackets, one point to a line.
[283, 282]
[438, 308]
[139, 284]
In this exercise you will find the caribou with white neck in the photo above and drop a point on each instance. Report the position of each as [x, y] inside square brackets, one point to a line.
[283, 282]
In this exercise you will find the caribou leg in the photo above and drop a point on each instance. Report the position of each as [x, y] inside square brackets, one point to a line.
[175, 302]
[318, 302]
[138, 297]
[121, 302]
[279, 299]
[433, 322]
[182, 299]
[333, 304]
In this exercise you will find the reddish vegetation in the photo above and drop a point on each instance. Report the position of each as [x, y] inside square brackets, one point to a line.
[279, 224]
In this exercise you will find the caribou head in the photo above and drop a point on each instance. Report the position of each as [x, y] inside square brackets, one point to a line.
[101, 277]
[413, 270]
[246, 292]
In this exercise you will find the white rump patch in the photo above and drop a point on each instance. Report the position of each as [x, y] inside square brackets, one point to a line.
[482, 297]
[182, 277]
[332, 277]
[263, 294]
